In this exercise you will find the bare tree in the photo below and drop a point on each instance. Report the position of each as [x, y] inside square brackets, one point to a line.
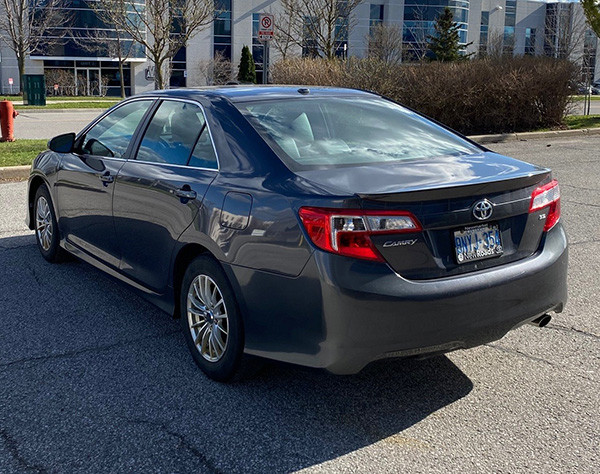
[283, 36]
[32, 26]
[416, 50]
[216, 71]
[385, 43]
[565, 27]
[318, 26]
[114, 45]
[163, 27]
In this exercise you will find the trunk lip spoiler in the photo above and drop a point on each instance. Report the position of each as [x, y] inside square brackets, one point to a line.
[462, 190]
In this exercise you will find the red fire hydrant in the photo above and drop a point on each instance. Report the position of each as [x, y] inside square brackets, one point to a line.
[7, 120]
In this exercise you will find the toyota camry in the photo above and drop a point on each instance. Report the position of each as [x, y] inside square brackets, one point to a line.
[323, 227]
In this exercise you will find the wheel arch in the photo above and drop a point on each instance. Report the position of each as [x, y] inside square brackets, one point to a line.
[183, 258]
[34, 184]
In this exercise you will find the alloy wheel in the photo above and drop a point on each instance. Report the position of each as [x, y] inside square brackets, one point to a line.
[43, 223]
[207, 318]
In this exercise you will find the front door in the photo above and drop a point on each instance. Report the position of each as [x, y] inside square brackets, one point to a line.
[159, 193]
[86, 181]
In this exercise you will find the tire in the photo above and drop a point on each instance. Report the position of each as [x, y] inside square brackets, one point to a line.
[212, 324]
[47, 234]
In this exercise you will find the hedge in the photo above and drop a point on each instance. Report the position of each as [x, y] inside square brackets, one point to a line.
[512, 94]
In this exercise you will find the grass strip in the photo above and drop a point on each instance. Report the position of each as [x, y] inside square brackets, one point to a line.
[20, 152]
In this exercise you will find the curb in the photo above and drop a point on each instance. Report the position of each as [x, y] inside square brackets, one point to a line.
[10, 173]
[524, 136]
[59, 111]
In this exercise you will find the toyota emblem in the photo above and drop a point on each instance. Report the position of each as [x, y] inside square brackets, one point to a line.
[483, 209]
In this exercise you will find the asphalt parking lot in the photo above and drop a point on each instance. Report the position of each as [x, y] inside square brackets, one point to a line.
[94, 379]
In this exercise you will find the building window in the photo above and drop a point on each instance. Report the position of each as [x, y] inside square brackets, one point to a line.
[530, 41]
[419, 21]
[376, 16]
[222, 29]
[483, 32]
[510, 16]
[258, 49]
[310, 46]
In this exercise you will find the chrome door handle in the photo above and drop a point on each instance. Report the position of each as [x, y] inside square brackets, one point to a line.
[185, 194]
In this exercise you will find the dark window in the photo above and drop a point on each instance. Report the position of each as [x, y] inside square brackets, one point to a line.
[111, 135]
[309, 134]
[483, 31]
[529, 41]
[222, 28]
[172, 133]
[204, 155]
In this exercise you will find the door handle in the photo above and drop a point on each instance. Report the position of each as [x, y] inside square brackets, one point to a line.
[185, 193]
[106, 178]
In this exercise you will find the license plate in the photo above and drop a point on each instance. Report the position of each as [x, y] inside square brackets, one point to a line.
[477, 242]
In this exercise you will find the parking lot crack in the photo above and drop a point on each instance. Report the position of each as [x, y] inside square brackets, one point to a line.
[523, 354]
[183, 442]
[571, 329]
[87, 350]
[13, 448]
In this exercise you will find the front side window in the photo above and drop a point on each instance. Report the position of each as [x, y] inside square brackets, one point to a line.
[110, 137]
[336, 131]
[178, 135]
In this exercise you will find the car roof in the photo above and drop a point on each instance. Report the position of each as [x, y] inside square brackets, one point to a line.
[240, 93]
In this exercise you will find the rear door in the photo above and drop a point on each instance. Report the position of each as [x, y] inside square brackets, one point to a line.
[159, 193]
[86, 181]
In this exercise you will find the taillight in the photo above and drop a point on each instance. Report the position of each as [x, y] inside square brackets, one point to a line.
[547, 196]
[348, 231]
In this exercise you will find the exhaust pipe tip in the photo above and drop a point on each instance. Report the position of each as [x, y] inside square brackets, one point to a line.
[541, 321]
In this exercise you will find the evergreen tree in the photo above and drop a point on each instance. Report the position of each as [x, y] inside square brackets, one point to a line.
[247, 71]
[444, 44]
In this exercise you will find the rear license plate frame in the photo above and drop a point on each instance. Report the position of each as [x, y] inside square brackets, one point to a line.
[477, 242]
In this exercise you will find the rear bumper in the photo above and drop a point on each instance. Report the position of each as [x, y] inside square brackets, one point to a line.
[340, 313]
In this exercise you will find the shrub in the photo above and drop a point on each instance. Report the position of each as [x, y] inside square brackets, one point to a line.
[511, 94]
[247, 68]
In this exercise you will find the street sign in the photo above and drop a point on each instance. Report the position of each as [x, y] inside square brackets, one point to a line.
[266, 27]
[10, 81]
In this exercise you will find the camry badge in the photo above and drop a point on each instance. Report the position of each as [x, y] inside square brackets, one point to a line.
[483, 209]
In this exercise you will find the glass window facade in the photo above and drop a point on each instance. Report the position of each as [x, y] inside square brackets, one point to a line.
[530, 41]
[258, 49]
[222, 28]
[419, 21]
[375, 16]
[86, 78]
[484, 31]
[86, 24]
[510, 16]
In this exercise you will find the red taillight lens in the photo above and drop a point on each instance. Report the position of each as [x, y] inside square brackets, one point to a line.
[348, 231]
[547, 196]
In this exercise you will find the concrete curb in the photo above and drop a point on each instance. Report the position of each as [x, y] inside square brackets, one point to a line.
[14, 172]
[59, 111]
[506, 137]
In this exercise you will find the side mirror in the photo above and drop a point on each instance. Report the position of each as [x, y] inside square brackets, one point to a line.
[62, 143]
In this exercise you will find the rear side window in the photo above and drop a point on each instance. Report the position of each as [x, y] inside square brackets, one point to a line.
[110, 137]
[336, 131]
[177, 135]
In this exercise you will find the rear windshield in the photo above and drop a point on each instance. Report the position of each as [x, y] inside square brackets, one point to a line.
[315, 132]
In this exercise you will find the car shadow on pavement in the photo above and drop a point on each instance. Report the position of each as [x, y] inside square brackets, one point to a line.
[94, 378]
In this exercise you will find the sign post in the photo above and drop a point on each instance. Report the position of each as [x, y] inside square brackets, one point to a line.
[10, 83]
[266, 29]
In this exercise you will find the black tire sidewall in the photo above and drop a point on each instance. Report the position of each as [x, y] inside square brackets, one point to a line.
[225, 368]
[53, 253]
